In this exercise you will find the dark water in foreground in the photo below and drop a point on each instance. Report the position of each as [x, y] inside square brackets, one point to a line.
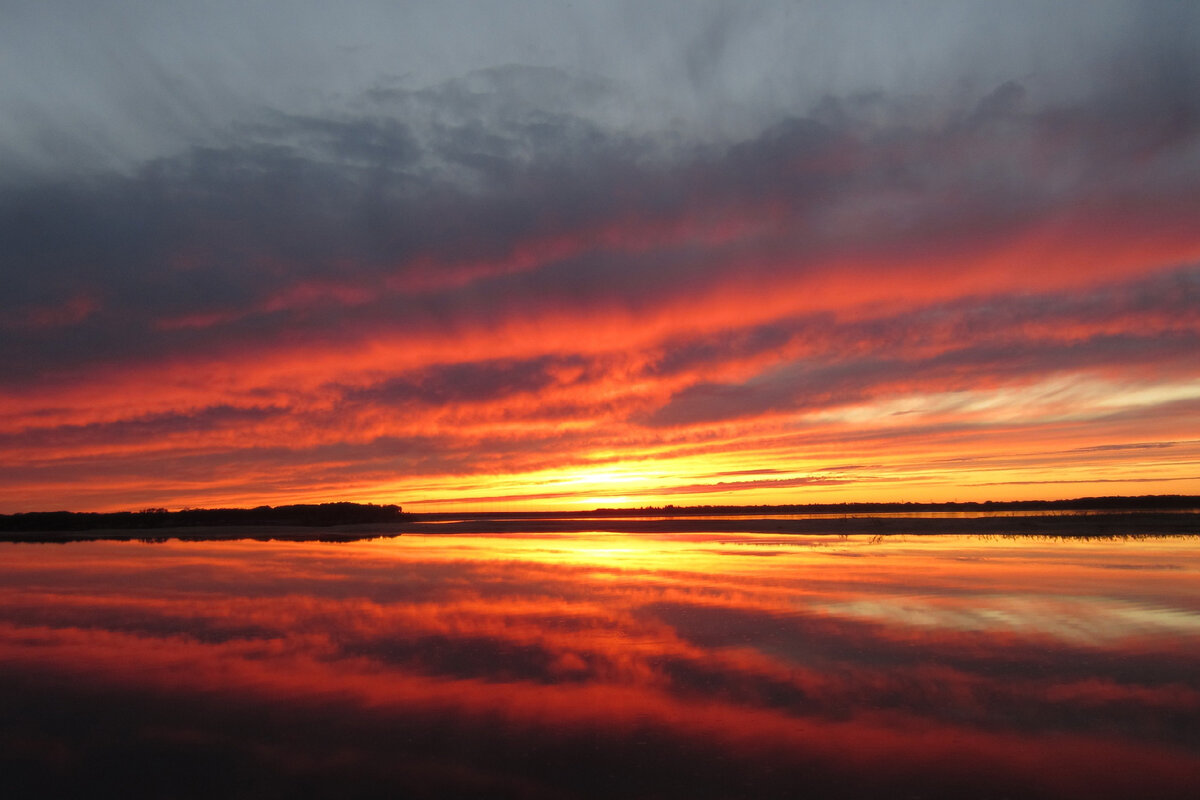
[602, 665]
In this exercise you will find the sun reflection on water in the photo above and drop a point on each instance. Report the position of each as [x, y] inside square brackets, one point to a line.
[552, 662]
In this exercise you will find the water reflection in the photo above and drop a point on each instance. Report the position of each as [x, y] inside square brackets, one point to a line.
[604, 664]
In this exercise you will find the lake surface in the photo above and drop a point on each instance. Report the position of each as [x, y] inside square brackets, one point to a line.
[602, 665]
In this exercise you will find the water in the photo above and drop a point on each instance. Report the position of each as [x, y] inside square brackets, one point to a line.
[602, 665]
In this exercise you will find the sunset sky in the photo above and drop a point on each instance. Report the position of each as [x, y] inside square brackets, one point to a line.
[518, 255]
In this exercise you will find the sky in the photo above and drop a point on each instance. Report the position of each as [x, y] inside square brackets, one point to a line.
[523, 255]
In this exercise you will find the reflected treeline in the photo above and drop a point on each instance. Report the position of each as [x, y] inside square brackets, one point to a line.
[301, 515]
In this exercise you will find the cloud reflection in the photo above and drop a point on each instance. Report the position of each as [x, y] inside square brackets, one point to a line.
[587, 664]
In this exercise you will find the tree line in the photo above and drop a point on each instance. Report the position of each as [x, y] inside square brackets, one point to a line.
[302, 515]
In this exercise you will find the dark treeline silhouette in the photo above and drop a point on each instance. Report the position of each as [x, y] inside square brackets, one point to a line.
[332, 514]
[1156, 502]
[1111, 503]
[322, 515]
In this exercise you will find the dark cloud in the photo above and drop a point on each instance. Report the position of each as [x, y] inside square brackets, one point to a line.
[473, 382]
[232, 236]
[765, 483]
[742, 472]
[814, 386]
[153, 427]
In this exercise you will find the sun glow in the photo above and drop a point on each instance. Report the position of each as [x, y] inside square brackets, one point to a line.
[608, 477]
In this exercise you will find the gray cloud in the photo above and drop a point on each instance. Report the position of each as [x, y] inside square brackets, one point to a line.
[114, 83]
[224, 234]
[810, 385]
[473, 382]
[846, 362]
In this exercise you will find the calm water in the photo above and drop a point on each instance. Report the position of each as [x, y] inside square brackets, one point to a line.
[602, 665]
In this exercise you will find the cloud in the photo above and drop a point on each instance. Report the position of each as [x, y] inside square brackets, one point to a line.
[529, 235]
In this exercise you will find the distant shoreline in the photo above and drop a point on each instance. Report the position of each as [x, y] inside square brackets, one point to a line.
[1118, 517]
[1167, 502]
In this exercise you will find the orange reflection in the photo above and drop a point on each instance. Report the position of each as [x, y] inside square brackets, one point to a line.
[929, 664]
